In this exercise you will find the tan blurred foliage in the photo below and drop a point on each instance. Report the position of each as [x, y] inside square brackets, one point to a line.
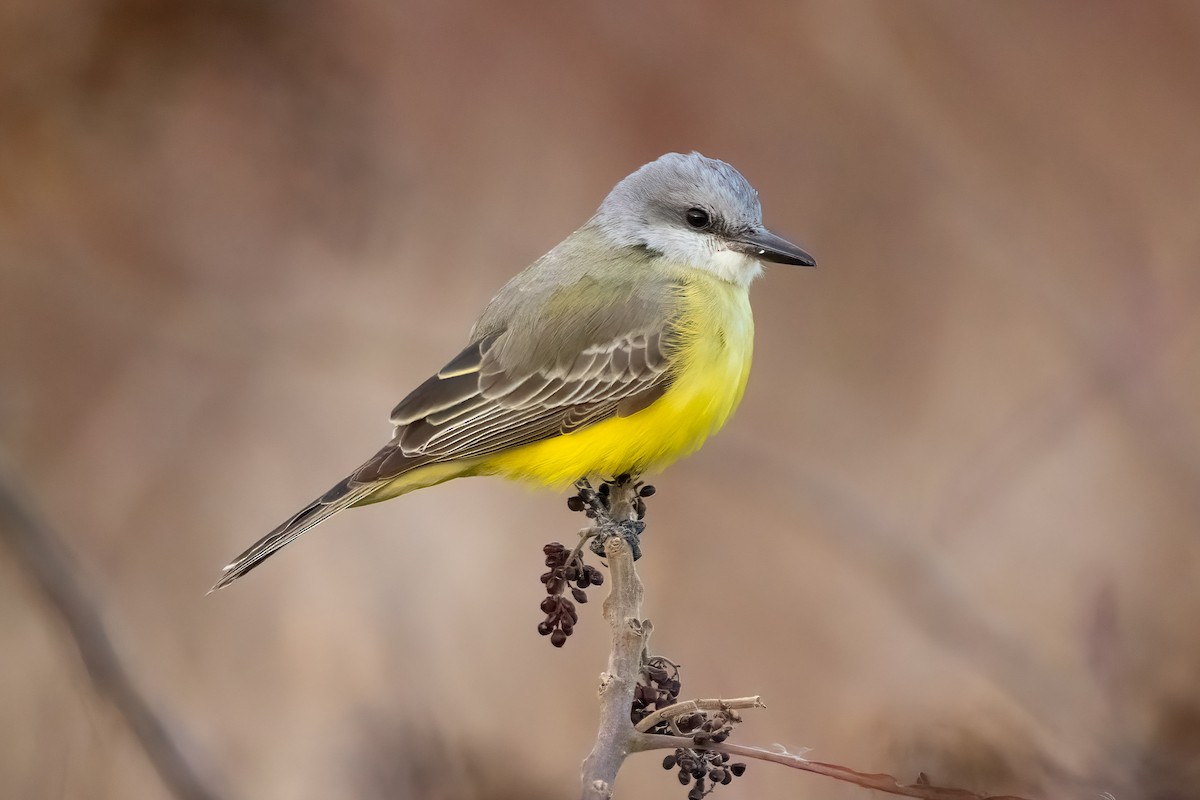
[955, 527]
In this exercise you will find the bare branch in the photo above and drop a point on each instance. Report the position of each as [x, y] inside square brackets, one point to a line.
[51, 569]
[623, 610]
[618, 738]
[878, 781]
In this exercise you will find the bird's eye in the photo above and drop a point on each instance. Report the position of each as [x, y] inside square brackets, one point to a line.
[698, 218]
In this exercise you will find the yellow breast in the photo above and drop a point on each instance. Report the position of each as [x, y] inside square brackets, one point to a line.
[714, 362]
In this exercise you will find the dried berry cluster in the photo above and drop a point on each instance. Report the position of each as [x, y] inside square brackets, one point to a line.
[707, 769]
[596, 504]
[566, 568]
[715, 726]
[658, 687]
[567, 571]
[595, 501]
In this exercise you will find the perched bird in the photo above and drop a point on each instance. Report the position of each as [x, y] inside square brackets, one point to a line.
[619, 351]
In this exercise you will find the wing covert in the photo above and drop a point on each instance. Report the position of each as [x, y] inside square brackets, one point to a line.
[474, 406]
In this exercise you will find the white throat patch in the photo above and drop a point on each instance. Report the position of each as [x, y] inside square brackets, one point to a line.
[732, 266]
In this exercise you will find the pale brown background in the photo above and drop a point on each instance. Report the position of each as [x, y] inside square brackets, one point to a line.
[954, 528]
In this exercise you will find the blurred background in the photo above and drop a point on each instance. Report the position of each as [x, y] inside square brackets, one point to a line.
[955, 527]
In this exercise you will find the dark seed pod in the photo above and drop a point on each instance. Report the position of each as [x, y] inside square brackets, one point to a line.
[549, 605]
[580, 595]
[685, 778]
[737, 769]
[558, 638]
[669, 762]
[720, 737]
[544, 628]
[639, 506]
[726, 777]
[647, 491]
[575, 503]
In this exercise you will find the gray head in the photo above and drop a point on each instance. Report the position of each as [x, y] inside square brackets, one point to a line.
[697, 211]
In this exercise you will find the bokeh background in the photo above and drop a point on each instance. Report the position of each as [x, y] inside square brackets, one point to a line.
[955, 527]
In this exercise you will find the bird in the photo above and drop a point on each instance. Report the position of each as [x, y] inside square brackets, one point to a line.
[619, 351]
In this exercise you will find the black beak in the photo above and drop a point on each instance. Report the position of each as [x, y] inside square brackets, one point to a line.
[766, 246]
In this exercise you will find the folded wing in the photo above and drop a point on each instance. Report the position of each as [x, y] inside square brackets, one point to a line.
[474, 407]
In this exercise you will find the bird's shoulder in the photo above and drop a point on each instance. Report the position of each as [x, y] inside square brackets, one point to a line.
[580, 324]
[582, 295]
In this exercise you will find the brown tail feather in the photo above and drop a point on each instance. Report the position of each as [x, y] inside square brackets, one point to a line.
[333, 501]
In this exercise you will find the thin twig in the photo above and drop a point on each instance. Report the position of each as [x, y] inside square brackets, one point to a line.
[688, 706]
[878, 781]
[51, 569]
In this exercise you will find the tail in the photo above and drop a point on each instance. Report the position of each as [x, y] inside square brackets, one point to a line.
[344, 495]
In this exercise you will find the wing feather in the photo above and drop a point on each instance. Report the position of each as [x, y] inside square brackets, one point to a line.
[475, 406]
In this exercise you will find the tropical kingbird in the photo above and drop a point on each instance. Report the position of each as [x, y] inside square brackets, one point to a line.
[619, 351]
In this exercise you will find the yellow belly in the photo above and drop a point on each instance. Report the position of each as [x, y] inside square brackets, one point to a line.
[714, 358]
